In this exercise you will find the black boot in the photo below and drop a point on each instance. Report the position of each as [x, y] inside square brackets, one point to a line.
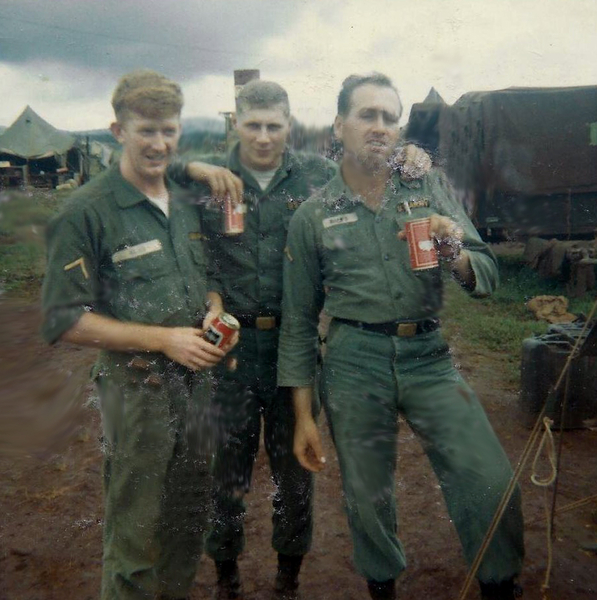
[505, 590]
[228, 586]
[286, 584]
[382, 590]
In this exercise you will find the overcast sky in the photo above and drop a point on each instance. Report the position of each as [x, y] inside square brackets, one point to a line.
[64, 57]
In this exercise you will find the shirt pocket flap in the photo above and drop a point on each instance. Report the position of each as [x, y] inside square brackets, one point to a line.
[340, 237]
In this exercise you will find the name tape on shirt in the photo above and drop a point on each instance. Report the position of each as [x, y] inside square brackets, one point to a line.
[137, 251]
[340, 220]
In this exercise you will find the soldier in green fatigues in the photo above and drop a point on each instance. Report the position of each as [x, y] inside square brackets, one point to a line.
[248, 269]
[275, 181]
[126, 273]
[385, 355]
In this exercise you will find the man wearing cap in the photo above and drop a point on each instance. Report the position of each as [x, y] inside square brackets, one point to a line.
[126, 273]
[385, 355]
[272, 182]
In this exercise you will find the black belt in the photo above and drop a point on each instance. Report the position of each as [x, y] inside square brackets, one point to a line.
[398, 328]
[259, 321]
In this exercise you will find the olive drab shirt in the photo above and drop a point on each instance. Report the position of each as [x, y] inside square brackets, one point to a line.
[115, 253]
[248, 266]
[346, 258]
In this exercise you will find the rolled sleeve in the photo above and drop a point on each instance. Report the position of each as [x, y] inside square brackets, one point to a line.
[70, 285]
[301, 305]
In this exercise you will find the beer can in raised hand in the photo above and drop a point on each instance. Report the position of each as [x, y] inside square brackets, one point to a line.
[222, 328]
[234, 217]
[421, 247]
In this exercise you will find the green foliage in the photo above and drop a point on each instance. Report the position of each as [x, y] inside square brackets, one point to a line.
[501, 322]
[23, 217]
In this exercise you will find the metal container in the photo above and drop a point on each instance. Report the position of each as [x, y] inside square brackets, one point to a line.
[543, 358]
[222, 328]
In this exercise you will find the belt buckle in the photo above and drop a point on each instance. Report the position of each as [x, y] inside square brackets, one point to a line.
[406, 329]
[265, 323]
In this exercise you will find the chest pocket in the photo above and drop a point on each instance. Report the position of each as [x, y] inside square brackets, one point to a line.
[286, 217]
[420, 208]
[147, 267]
[213, 220]
[198, 252]
[340, 237]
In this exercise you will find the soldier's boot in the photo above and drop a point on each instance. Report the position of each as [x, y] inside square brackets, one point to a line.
[286, 584]
[505, 590]
[228, 585]
[382, 590]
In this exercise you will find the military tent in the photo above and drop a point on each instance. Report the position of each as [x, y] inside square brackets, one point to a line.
[43, 154]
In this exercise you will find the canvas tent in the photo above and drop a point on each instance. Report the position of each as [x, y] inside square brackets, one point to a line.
[524, 159]
[44, 154]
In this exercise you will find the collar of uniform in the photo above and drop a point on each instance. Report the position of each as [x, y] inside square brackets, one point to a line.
[125, 193]
[336, 193]
[415, 184]
[236, 166]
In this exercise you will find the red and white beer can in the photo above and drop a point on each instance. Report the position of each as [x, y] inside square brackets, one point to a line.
[234, 217]
[421, 247]
[222, 328]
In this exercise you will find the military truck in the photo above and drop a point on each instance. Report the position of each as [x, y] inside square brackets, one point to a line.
[523, 160]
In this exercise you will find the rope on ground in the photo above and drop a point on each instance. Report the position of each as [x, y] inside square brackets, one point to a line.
[548, 443]
[545, 584]
[546, 440]
[501, 509]
[571, 506]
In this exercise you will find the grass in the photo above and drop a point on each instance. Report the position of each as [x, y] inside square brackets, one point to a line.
[501, 322]
[23, 217]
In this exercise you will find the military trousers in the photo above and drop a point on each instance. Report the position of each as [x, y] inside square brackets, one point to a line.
[242, 400]
[368, 380]
[157, 480]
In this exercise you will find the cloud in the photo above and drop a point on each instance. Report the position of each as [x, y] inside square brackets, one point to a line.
[65, 56]
[181, 38]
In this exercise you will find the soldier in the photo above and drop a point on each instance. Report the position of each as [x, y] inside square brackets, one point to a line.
[275, 182]
[126, 273]
[385, 354]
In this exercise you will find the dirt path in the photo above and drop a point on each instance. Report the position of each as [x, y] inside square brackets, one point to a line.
[50, 500]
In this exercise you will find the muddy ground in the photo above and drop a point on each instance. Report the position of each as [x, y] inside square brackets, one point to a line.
[51, 505]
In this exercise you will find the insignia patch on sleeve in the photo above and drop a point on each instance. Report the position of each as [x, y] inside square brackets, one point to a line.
[137, 251]
[80, 262]
[340, 220]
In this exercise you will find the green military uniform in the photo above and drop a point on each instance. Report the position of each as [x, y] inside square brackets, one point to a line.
[248, 268]
[347, 258]
[113, 252]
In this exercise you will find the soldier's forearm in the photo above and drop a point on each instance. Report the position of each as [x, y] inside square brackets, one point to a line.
[214, 302]
[103, 332]
[302, 399]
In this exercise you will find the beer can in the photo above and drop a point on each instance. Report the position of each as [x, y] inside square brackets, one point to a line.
[221, 329]
[234, 217]
[421, 247]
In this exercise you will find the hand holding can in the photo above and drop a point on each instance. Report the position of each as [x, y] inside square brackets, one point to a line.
[234, 216]
[421, 246]
[221, 330]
